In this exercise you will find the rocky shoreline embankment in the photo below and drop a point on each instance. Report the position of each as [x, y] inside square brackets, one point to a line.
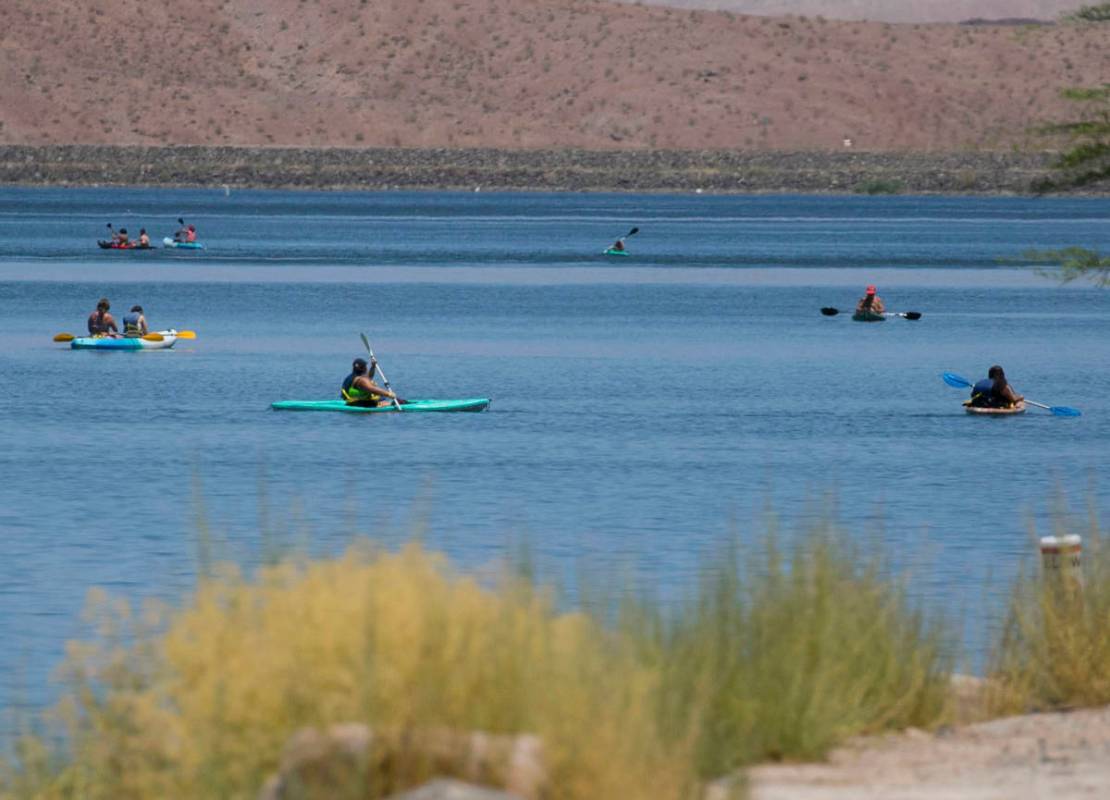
[545, 170]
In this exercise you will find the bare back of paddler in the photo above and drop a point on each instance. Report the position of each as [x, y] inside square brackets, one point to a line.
[101, 323]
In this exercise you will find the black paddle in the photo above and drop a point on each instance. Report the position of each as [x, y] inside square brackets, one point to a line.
[620, 241]
[832, 312]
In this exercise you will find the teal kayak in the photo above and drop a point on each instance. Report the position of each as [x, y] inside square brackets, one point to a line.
[867, 316]
[612, 252]
[168, 242]
[469, 404]
[124, 342]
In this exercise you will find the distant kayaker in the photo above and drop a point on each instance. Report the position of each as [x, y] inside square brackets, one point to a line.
[144, 240]
[134, 323]
[618, 245]
[870, 303]
[120, 237]
[359, 388]
[191, 234]
[101, 323]
[994, 391]
[182, 233]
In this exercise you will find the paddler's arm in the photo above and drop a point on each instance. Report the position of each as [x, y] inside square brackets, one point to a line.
[1010, 395]
[368, 385]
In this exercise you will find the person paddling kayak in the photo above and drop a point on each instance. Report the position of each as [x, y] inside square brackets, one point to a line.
[994, 391]
[186, 233]
[359, 388]
[618, 245]
[144, 239]
[101, 323]
[134, 323]
[870, 303]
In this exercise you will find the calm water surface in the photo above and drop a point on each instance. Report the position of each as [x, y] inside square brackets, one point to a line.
[643, 409]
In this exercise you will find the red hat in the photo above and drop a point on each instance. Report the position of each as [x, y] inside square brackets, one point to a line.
[871, 290]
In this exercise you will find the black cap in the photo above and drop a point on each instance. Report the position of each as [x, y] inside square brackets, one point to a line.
[359, 364]
[137, 308]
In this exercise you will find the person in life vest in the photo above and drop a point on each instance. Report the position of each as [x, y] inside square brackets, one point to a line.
[144, 240]
[359, 388]
[180, 234]
[134, 323]
[870, 303]
[618, 245]
[101, 323]
[994, 391]
[120, 238]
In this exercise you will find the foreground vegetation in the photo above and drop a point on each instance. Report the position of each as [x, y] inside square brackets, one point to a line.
[778, 659]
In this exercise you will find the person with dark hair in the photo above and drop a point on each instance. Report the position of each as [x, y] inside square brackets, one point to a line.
[870, 303]
[101, 323]
[134, 323]
[144, 239]
[359, 388]
[994, 391]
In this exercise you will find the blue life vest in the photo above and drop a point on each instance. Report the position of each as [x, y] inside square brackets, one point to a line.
[131, 324]
[984, 395]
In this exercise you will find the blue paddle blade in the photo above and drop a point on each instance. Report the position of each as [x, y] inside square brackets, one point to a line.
[1065, 411]
[955, 381]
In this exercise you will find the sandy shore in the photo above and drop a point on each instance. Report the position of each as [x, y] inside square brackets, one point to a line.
[1060, 756]
[550, 170]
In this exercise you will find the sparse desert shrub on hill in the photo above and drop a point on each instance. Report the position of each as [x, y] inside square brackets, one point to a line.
[1093, 13]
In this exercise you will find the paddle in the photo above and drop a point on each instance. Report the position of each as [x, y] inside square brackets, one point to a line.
[186, 334]
[956, 382]
[385, 380]
[64, 337]
[832, 312]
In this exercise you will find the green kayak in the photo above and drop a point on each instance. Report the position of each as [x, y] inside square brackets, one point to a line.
[612, 252]
[469, 404]
[867, 316]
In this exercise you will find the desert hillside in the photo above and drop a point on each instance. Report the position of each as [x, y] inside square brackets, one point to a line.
[521, 74]
[892, 10]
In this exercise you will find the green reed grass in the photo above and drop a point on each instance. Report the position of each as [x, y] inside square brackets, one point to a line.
[1054, 651]
[780, 656]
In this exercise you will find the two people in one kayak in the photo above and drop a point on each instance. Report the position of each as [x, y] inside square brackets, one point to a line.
[994, 391]
[101, 323]
[359, 388]
[120, 238]
[870, 303]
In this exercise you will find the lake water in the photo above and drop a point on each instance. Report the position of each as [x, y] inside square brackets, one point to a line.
[644, 409]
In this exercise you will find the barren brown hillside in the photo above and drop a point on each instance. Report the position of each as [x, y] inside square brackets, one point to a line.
[520, 74]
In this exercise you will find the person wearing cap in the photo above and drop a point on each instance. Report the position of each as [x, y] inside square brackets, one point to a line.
[994, 391]
[101, 323]
[870, 303]
[134, 323]
[359, 388]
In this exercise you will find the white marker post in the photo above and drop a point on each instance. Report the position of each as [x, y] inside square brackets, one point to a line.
[1061, 559]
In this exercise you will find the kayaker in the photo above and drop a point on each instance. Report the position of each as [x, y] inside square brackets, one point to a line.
[144, 240]
[180, 234]
[618, 245]
[359, 388]
[101, 323]
[119, 238]
[994, 391]
[134, 323]
[191, 234]
[870, 303]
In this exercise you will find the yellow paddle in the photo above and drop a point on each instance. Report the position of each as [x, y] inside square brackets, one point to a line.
[64, 337]
[186, 334]
[154, 337]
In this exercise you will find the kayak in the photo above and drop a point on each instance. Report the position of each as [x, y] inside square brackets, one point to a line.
[868, 316]
[469, 404]
[1016, 409]
[117, 246]
[168, 242]
[123, 343]
[612, 252]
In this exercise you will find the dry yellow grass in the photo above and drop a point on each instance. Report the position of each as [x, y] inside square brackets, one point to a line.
[777, 659]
